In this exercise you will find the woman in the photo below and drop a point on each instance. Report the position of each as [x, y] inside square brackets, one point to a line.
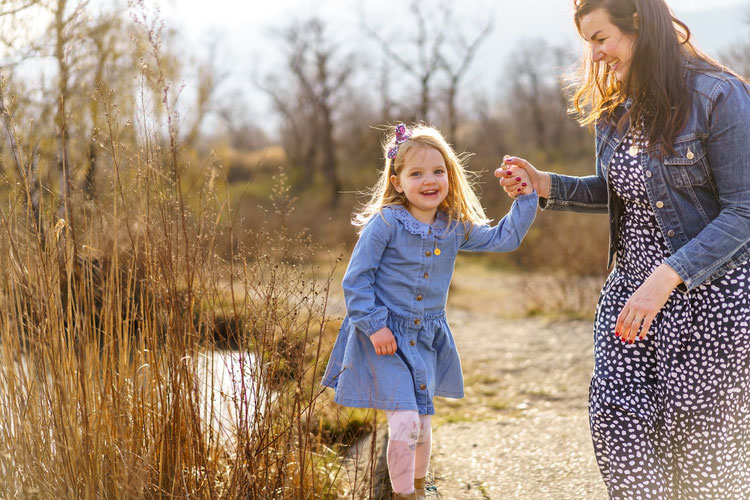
[669, 401]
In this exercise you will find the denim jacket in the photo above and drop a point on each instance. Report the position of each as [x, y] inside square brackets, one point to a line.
[701, 194]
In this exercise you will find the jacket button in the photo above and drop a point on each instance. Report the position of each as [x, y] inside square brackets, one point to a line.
[427, 253]
[417, 322]
[411, 342]
[670, 233]
[422, 386]
[419, 297]
[659, 204]
[426, 275]
[648, 173]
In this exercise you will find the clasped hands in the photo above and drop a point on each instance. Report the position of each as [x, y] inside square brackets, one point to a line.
[514, 179]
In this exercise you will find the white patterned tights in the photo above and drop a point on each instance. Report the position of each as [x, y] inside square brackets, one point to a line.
[409, 448]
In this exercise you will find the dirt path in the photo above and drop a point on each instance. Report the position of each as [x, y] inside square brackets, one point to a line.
[522, 429]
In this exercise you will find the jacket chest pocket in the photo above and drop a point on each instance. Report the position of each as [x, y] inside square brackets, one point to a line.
[688, 166]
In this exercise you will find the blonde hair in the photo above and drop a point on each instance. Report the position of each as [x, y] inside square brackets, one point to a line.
[461, 204]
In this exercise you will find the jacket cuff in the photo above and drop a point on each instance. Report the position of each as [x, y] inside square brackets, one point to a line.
[531, 197]
[376, 326]
[687, 283]
[554, 193]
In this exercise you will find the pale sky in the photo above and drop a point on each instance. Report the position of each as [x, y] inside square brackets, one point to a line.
[245, 29]
[249, 50]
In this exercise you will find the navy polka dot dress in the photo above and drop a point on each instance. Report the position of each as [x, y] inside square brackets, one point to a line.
[670, 414]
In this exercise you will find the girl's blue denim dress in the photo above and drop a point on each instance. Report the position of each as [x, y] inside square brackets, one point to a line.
[398, 277]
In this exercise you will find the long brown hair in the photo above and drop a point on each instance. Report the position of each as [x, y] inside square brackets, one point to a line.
[655, 81]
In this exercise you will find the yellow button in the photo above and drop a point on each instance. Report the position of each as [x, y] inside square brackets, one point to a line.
[411, 342]
[419, 297]
[659, 204]
[423, 387]
[689, 155]
[427, 253]
[426, 275]
[416, 321]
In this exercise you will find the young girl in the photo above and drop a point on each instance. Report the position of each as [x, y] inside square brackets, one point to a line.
[395, 351]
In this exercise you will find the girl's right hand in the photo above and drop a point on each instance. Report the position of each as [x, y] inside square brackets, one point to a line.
[384, 341]
[540, 181]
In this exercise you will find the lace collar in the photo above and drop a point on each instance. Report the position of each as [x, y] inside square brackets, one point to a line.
[411, 224]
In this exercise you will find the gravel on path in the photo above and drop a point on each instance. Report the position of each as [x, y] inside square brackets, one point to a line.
[522, 429]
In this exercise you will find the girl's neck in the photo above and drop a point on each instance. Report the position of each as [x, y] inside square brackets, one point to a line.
[425, 216]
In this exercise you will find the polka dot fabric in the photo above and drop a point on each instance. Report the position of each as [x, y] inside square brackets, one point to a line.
[670, 414]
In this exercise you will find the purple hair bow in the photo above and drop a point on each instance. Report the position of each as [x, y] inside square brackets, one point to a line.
[403, 134]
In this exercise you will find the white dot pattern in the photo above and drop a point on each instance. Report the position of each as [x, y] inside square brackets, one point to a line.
[670, 414]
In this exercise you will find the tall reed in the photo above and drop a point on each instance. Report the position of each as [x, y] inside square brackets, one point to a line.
[115, 316]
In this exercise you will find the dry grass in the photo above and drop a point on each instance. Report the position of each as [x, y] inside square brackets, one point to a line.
[115, 316]
[523, 294]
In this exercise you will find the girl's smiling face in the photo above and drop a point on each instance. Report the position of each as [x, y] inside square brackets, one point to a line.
[424, 182]
[609, 44]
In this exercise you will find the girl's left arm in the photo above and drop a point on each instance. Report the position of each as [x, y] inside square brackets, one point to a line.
[507, 235]
[728, 150]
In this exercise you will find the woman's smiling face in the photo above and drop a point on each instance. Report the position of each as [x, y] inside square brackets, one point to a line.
[609, 45]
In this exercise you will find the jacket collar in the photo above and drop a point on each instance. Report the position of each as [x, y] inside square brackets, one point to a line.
[414, 226]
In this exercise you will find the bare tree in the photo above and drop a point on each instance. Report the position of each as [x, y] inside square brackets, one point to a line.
[26, 169]
[538, 100]
[16, 14]
[109, 56]
[66, 33]
[13, 7]
[210, 77]
[96, 60]
[529, 79]
[318, 73]
[239, 129]
[738, 57]
[427, 44]
[384, 90]
[456, 70]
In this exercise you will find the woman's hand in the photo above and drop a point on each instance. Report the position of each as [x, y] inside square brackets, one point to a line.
[645, 304]
[512, 169]
[384, 341]
[514, 180]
